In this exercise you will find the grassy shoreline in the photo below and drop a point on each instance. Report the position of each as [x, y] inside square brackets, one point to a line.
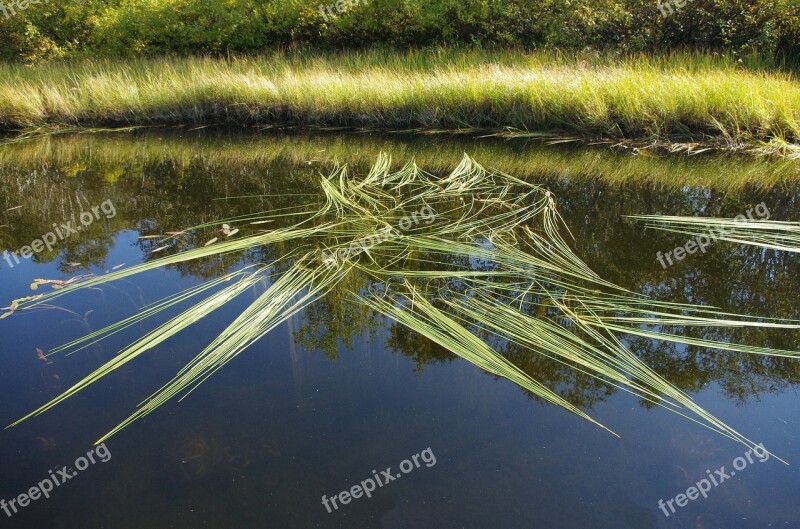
[653, 99]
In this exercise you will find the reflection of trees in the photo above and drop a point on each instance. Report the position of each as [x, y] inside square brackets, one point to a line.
[152, 199]
[417, 347]
[335, 320]
[32, 201]
[156, 197]
[576, 387]
[736, 279]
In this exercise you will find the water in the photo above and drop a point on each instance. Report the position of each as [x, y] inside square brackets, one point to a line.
[321, 402]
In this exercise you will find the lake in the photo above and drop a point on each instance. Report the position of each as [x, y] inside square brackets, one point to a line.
[337, 394]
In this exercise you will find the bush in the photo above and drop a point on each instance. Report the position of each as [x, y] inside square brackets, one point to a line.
[131, 27]
[181, 26]
[49, 30]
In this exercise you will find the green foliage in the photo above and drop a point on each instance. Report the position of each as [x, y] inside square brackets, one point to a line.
[49, 30]
[788, 30]
[741, 25]
[485, 265]
[131, 27]
[209, 26]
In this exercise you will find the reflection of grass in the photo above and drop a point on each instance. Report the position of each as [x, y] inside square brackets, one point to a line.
[655, 98]
[527, 159]
[491, 265]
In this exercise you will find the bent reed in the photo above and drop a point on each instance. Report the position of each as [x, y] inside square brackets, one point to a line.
[490, 269]
[637, 97]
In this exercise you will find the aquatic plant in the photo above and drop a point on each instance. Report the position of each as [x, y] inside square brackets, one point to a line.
[764, 233]
[465, 260]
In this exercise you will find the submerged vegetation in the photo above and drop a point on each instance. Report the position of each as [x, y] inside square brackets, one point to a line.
[652, 99]
[490, 268]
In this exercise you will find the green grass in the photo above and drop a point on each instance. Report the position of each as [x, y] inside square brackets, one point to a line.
[639, 97]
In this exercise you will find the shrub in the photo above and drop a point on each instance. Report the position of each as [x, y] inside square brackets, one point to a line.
[130, 27]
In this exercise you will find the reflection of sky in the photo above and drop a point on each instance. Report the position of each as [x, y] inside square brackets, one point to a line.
[280, 426]
[262, 441]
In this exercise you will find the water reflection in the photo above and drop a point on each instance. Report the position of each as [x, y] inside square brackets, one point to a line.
[333, 419]
[165, 191]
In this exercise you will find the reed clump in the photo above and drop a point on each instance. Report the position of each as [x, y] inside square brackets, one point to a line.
[644, 97]
[489, 263]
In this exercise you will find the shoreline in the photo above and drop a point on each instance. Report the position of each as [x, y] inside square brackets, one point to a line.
[528, 158]
[777, 150]
[642, 101]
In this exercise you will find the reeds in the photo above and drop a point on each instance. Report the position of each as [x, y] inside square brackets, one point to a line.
[491, 265]
[658, 98]
[769, 234]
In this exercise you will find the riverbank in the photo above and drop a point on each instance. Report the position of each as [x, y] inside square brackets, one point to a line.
[681, 97]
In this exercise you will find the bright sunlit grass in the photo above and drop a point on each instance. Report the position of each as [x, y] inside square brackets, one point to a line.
[659, 98]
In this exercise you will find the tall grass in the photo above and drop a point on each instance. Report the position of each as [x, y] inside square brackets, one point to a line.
[658, 98]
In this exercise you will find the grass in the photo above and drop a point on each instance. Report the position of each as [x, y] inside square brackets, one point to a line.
[490, 264]
[637, 97]
[771, 235]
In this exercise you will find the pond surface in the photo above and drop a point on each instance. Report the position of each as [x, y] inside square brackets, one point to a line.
[337, 393]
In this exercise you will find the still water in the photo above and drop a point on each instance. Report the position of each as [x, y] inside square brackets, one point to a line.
[338, 394]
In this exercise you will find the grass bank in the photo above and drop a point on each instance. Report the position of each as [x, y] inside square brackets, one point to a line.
[670, 98]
